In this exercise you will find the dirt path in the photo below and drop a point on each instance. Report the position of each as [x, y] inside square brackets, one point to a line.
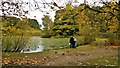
[72, 58]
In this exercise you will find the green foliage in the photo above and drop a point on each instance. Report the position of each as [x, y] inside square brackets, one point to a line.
[9, 21]
[89, 33]
[13, 21]
[113, 39]
[14, 34]
[14, 43]
[89, 22]
[34, 24]
[64, 24]
[80, 40]
[101, 42]
[47, 27]
[68, 7]
[47, 23]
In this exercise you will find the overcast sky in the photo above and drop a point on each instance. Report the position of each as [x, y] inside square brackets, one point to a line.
[39, 14]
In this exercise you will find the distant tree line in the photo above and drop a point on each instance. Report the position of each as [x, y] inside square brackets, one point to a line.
[12, 22]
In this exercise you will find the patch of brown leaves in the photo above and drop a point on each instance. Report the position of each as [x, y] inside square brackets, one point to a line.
[23, 61]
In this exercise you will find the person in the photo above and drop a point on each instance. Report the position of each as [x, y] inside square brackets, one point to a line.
[75, 42]
[72, 42]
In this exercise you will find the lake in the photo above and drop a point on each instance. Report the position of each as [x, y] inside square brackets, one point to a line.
[38, 44]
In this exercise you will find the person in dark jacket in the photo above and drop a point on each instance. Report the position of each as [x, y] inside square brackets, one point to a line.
[72, 42]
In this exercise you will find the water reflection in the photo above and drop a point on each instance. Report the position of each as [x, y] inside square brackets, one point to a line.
[38, 44]
[34, 45]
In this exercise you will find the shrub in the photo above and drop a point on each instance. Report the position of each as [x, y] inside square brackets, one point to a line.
[113, 39]
[90, 33]
[80, 40]
[13, 43]
[101, 41]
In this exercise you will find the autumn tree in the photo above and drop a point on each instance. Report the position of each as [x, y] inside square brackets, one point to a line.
[65, 24]
[47, 26]
[111, 20]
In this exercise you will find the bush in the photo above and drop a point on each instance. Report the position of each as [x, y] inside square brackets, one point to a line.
[90, 33]
[101, 41]
[80, 40]
[13, 43]
[104, 35]
[113, 39]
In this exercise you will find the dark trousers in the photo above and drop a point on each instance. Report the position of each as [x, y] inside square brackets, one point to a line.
[72, 46]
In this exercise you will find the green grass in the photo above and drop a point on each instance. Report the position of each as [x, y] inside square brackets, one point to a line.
[104, 61]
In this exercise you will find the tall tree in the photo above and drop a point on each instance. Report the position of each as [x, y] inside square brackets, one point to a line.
[47, 26]
[65, 24]
[46, 21]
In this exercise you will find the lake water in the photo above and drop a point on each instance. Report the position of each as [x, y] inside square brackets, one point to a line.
[38, 44]
[34, 45]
